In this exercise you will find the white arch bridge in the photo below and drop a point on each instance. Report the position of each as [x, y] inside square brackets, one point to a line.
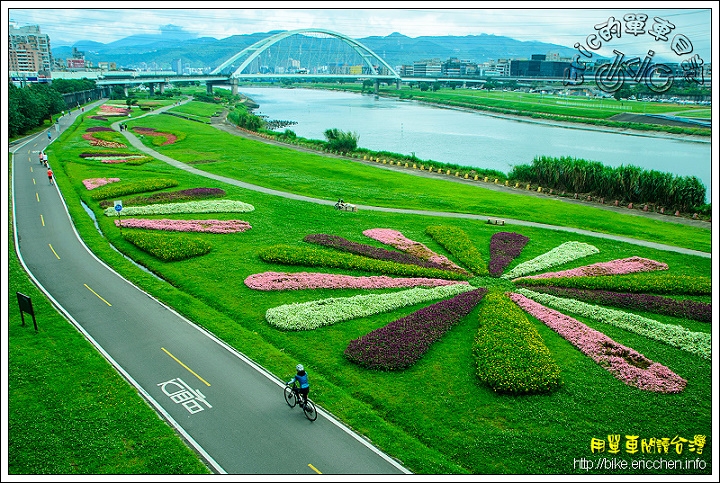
[307, 53]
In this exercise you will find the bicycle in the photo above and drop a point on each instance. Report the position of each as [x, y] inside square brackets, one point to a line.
[292, 397]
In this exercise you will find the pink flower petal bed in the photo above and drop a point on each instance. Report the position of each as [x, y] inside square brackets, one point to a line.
[615, 267]
[398, 240]
[626, 364]
[307, 280]
[92, 183]
[201, 226]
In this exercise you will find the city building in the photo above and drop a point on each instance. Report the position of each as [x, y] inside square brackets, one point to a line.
[538, 66]
[29, 50]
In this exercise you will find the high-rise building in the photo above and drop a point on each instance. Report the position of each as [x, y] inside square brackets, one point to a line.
[29, 50]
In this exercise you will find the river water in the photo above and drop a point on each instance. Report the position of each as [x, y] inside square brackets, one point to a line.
[471, 138]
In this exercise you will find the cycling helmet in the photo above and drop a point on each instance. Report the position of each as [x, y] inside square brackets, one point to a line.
[299, 367]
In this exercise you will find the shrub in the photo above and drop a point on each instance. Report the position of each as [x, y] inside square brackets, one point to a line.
[342, 141]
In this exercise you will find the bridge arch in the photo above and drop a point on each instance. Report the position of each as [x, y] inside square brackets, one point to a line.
[249, 54]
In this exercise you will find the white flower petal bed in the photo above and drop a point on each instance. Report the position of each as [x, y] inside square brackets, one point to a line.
[698, 343]
[566, 252]
[208, 206]
[318, 313]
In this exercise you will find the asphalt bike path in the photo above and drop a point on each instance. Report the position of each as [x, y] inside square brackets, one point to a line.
[230, 410]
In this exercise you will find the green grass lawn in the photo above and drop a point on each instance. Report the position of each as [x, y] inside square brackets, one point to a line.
[435, 417]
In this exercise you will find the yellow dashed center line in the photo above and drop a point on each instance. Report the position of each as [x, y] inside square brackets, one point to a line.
[42, 220]
[53, 250]
[186, 367]
[37, 196]
[314, 469]
[98, 296]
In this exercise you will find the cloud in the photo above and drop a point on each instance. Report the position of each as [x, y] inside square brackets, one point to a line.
[558, 26]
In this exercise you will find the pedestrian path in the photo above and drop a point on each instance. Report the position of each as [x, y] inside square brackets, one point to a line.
[135, 142]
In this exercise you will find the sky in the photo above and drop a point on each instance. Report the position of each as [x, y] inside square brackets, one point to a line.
[223, 19]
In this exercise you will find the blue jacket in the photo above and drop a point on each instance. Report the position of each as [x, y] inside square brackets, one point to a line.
[303, 380]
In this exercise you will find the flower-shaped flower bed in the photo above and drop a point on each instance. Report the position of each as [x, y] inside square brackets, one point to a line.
[148, 131]
[200, 226]
[92, 183]
[510, 355]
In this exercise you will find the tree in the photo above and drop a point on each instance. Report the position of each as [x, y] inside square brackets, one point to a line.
[424, 86]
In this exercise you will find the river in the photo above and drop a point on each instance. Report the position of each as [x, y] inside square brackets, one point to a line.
[471, 138]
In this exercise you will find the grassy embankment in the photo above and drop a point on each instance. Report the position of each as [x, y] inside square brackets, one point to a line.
[576, 109]
[465, 428]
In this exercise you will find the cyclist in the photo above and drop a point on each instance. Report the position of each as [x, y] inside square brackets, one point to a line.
[302, 379]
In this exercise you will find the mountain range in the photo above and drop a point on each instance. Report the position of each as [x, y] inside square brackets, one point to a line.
[160, 50]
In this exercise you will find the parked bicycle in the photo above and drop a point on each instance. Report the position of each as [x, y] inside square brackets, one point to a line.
[293, 397]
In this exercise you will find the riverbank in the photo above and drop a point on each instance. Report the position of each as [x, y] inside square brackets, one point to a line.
[549, 122]
[221, 122]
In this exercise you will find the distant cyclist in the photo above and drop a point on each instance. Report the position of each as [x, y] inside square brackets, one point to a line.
[302, 379]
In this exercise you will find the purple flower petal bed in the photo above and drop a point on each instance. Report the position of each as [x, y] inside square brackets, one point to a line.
[504, 248]
[171, 196]
[342, 244]
[626, 364]
[401, 343]
[200, 226]
[686, 309]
